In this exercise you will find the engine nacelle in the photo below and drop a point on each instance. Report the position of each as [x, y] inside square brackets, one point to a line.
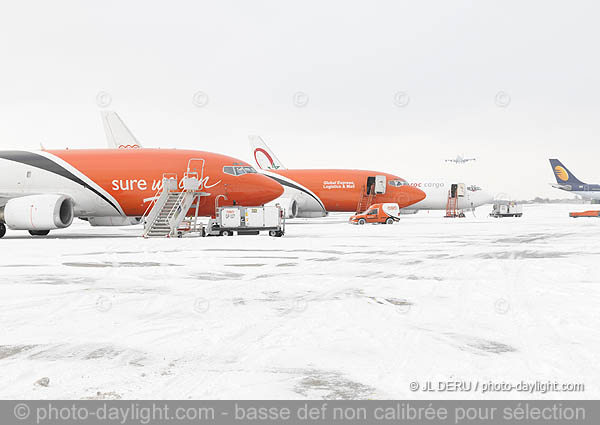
[289, 206]
[39, 212]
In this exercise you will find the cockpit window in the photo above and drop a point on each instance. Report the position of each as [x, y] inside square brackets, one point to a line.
[239, 170]
[397, 183]
[474, 188]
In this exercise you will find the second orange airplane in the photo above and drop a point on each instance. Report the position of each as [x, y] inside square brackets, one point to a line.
[314, 193]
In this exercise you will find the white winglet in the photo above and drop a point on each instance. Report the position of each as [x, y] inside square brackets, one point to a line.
[263, 156]
[117, 133]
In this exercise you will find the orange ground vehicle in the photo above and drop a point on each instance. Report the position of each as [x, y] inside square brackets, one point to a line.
[592, 213]
[385, 213]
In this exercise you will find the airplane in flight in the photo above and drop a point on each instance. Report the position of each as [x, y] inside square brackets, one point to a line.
[460, 160]
[568, 182]
[316, 192]
[437, 191]
[44, 190]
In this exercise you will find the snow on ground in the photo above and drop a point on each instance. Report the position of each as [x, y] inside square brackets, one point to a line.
[328, 311]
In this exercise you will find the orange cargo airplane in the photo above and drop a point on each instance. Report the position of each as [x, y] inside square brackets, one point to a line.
[41, 191]
[313, 193]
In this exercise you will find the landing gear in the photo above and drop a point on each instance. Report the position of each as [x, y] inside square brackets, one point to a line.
[39, 232]
[2, 230]
[390, 220]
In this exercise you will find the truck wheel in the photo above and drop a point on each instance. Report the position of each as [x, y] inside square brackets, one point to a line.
[279, 233]
[39, 232]
[226, 233]
[273, 233]
[2, 230]
[390, 220]
[361, 221]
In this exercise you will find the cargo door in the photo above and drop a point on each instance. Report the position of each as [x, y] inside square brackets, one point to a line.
[370, 184]
[380, 182]
[453, 190]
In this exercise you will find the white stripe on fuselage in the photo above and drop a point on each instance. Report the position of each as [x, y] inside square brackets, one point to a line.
[306, 195]
[83, 177]
[21, 179]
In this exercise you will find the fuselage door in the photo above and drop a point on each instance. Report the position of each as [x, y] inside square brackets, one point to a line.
[380, 183]
[370, 184]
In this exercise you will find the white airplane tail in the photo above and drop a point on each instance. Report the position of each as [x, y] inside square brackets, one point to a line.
[117, 133]
[263, 156]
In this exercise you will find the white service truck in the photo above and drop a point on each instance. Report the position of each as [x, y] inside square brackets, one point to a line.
[506, 209]
[246, 221]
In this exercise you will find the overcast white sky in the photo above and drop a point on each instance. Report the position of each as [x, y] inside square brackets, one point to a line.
[451, 58]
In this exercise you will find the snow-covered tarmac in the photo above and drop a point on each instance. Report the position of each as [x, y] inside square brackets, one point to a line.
[328, 311]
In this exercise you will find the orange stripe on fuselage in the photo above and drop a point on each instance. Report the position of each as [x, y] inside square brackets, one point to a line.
[132, 175]
[341, 190]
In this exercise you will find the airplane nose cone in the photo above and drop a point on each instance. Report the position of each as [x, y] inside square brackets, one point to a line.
[488, 198]
[267, 189]
[410, 195]
[416, 195]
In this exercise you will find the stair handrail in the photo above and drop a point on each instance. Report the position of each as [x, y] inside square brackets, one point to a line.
[179, 208]
[176, 205]
[158, 192]
[153, 210]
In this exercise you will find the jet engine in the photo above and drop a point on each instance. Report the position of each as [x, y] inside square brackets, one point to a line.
[289, 206]
[38, 212]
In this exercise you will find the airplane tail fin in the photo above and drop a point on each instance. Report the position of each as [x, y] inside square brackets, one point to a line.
[562, 173]
[263, 156]
[117, 133]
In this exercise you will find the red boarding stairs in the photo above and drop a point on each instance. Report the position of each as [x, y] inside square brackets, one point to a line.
[366, 200]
